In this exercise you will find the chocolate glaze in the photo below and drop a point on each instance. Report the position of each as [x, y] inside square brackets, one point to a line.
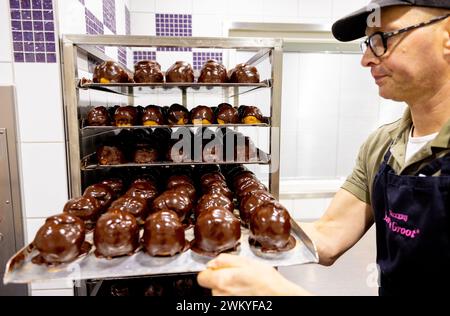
[60, 239]
[186, 188]
[126, 116]
[219, 188]
[148, 71]
[86, 208]
[250, 202]
[211, 201]
[102, 193]
[249, 188]
[175, 180]
[213, 72]
[110, 72]
[244, 73]
[153, 115]
[202, 115]
[208, 178]
[175, 201]
[270, 226]
[134, 205]
[116, 234]
[251, 115]
[98, 116]
[110, 155]
[146, 190]
[164, 234]
[181, 71]
[226, 114]
[216, 230]
[177, 115]
[116, 185]
[242, 177]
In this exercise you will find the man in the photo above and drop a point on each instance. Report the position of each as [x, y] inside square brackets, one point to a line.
[401, 181]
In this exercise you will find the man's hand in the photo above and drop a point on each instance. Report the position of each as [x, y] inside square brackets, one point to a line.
[235, 275]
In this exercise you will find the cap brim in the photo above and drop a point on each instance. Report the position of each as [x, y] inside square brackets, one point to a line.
[354, 26]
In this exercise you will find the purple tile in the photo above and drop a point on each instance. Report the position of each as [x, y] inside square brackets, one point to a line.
[28, 46]
[36, 4]
[25, 4]
[16, 25]
[109, 14]
[39, 47]
[47, 4]
[19, 57]
[17, 36]
[39, 36]
[37, 15]
[49, 36]
[48, 15]
[30, 58]
[27, 25]
[40, 58]
[50, 47]
[173, 25]
[199, 58]
[51, 58]
[38, 26]
[15, 14]
[49, 26]
[28, 36]
[14, 4]
[18, 46]
[82, 2]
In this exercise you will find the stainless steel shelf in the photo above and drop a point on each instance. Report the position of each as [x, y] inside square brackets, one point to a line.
[136, 89]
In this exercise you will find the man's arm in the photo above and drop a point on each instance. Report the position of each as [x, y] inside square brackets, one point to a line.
[346, 220]
[343, 224]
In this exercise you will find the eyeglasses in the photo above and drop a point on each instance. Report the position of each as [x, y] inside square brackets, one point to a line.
[378, 41]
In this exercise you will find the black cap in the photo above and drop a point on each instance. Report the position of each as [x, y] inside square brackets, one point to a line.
[353, 26]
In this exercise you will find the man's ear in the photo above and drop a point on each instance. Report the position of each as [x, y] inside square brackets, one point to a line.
[446, 40]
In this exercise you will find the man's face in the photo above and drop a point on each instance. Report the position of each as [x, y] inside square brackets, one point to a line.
[413, 64]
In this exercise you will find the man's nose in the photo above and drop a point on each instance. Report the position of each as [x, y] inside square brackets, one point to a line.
[369, 59]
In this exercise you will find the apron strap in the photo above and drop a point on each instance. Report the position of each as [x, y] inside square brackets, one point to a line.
[442, 164]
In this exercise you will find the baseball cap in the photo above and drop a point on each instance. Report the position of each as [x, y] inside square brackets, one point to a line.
[353, 26]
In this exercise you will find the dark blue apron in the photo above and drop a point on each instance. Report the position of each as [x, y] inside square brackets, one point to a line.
[412, 217]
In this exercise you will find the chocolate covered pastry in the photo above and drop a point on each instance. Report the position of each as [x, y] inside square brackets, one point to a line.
[134, 205]
[126, 116]
[86, 208]
[244, 73]
[116, 234]
[250, 202]
[251, 115]
[98, 116]
[110, 72]
[164, 234]
[110, 155]
[226, 114]
[213, 72]
[181, 71]
[178, 115]
[148, 71]
[211, 201]
[102, 193]
[175, 201]
[153, 115]
[202, 115]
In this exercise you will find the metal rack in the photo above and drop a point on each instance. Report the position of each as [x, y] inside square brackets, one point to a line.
[76, 46]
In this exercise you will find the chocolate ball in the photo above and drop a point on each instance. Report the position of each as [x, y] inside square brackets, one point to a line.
[110, 155]
[98, 116]
[102, 193]
[187, 189]
[178, 115]
[219, 188]
[211, 201]
[248, 188]
[251, 115]
[153, 115]
[110, 72]
[270, 226]
[211, 177]
[213, 72]
[134, 205]
[226, 114]
[244, 73]
[216, 230]
[126, 116]
[146, 190]
[175, 180]
[181, 71]
[86, 208]
[250, 202]
[116, 185]
[164, 234]
[60, 239]
[242, 177]
[202, 115]
[148, 71]
[116, 234]
[175, 201]
[146, 154]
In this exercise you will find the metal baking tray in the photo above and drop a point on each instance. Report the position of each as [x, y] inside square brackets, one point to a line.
[20, 269]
